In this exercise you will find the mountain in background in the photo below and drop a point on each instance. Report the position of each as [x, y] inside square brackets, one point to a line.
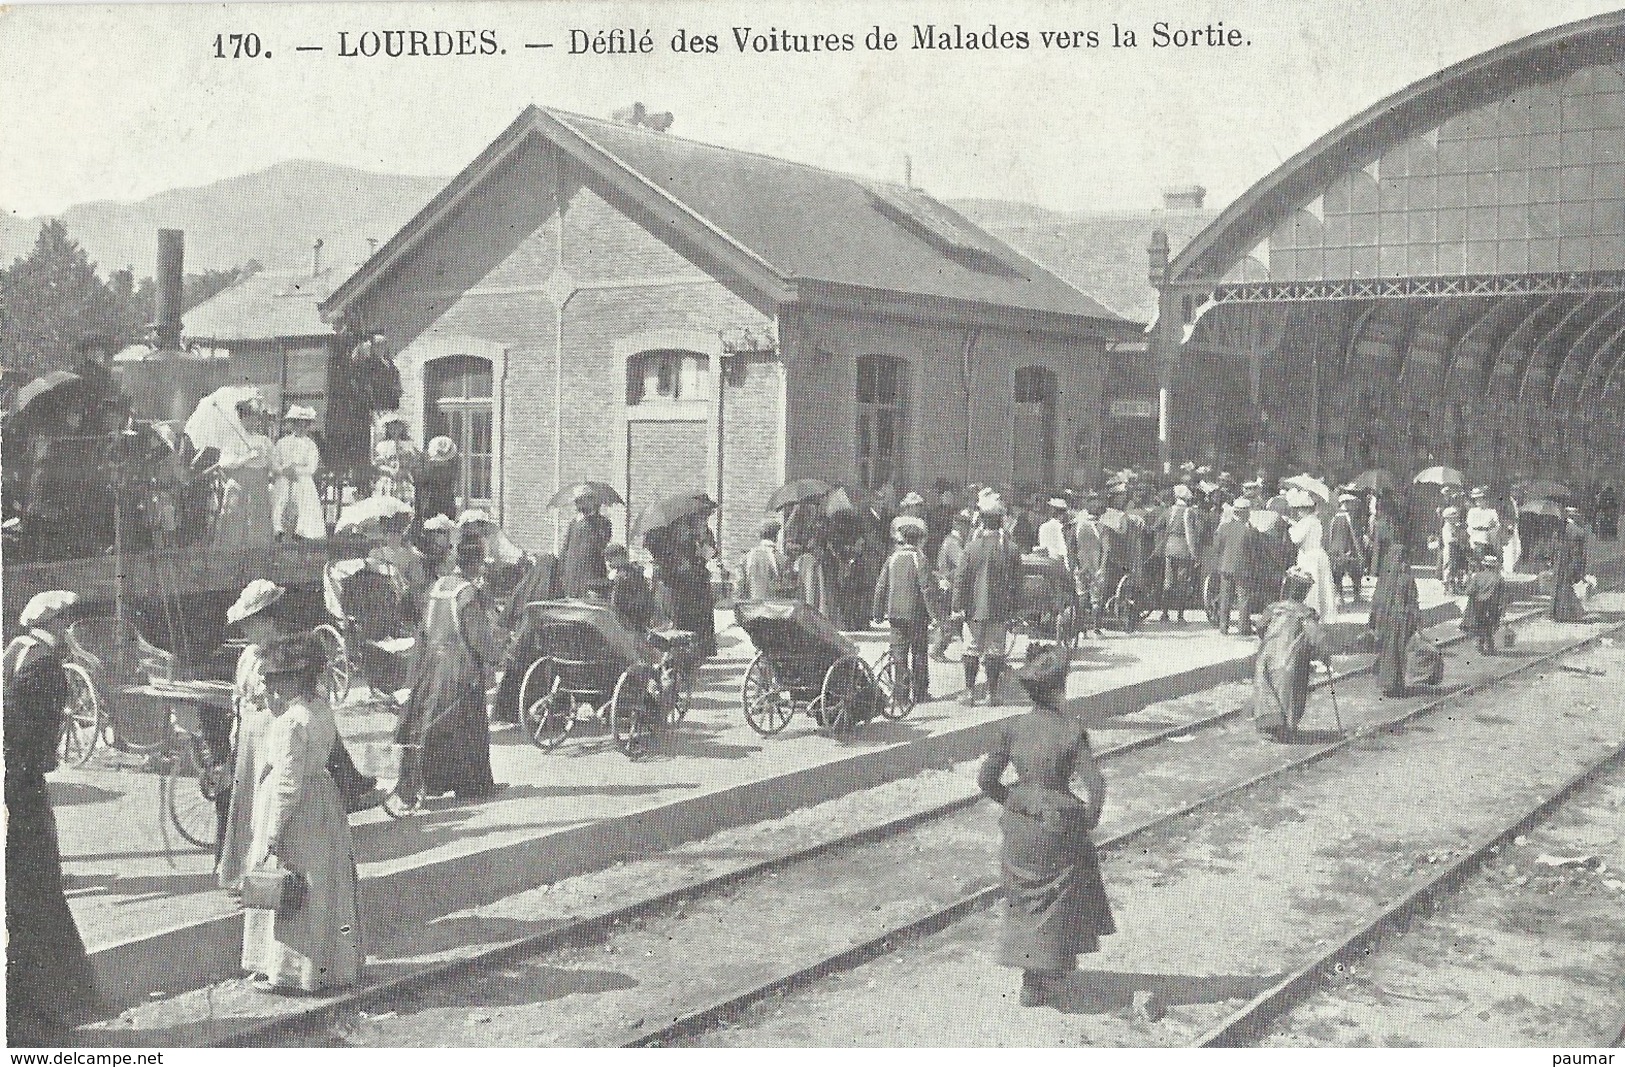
[276, 215]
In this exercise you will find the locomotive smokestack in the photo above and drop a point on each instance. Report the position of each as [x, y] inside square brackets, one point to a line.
[171, 263]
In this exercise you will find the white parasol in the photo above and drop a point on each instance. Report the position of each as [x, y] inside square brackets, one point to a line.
[1309, 484]
[215, 423]
[372, 509]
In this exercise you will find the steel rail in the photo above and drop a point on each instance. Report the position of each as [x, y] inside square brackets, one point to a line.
[709, 1016]
[1248, 1024]
[593, 927]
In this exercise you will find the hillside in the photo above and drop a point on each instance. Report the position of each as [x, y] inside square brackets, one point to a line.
[274, 215]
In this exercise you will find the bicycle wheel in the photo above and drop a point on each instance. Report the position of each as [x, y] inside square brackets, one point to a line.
[189, 790]
[81, 718]
[336, 676]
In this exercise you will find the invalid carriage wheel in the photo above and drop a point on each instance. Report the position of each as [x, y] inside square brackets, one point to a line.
[1066, 627]
[898, 692]
[189, 790]
[82, 718]
[336, 675]
[1210, 597]
[848, 682]
[546, 713]
[676, 690]
[767, 704]
[630, 708]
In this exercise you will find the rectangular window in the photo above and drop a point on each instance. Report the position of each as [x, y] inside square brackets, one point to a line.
[881, 419]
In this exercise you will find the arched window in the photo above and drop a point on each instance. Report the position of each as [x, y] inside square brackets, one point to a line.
[667, 375]
[1034, 427]
[882, 419]
[457, 404]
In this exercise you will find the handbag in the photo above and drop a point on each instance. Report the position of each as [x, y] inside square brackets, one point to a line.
[275, 889]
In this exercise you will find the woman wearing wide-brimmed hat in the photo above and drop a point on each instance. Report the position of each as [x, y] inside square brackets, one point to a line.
[1056, 906]
[436, 486]
[300, 824]
[1292, 639]
[49, 984]
[255, 614]
[296, 505]
[395, 460]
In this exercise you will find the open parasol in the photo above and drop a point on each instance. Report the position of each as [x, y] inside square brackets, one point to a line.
[602, 492]
[52, 384]
[1439, 476]
[1377, 480]
[670, 509]
[1545, 489]
[1541, 507]
[797, 492]
[215, 423]
[372, 509]
[1309, 484]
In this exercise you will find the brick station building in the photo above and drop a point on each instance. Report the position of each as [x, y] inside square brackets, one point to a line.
[593, 299]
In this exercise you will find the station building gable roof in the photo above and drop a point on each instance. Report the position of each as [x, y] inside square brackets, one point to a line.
[788, 228]
[264, 306]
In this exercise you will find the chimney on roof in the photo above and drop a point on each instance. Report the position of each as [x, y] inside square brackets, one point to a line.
[316, 258]
[1184, 198]
[171, 260]
[637, 115]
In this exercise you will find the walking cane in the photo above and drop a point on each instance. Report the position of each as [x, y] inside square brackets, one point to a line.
[1331, 684]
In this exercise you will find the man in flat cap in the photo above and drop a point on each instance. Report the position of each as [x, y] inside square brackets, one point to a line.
[985, 593]
[903, 597]
[1344, 548]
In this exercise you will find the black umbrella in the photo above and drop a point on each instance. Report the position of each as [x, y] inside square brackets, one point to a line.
[797, 492]
[1377, 480]
[602, 492]
[44, 385]
[670, 509]
[1545, 489]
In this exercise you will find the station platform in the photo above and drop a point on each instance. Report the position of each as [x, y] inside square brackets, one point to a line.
[155, 924]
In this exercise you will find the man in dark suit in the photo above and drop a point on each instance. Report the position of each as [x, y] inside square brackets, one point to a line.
[1228, 556]
[985, 593]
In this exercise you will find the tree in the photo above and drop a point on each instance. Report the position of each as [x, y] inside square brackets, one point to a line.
[50, 300]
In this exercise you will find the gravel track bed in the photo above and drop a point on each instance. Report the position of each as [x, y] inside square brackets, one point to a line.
[1525, 953]
[663, 963]
[1216, 907]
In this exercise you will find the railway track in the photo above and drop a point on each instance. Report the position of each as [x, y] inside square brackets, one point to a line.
[1266, 1006]
[603, 926]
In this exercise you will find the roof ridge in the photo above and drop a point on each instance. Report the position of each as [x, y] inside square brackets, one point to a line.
[565, 115]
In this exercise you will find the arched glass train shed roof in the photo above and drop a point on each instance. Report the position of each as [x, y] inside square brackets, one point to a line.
[1441, 277]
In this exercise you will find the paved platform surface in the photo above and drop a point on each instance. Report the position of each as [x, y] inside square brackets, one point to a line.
[149, 911]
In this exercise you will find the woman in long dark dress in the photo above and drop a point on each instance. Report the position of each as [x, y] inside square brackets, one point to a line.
[1395, 616]
[443, 728]
[1056, 904]
[679, 556]
[1568, 569]
[49, 986]
[435, 488]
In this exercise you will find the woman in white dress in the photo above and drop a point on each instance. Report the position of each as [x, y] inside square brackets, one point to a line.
[395, 460]
[296, 505]
[1309, 537]
[254, 613]
[300, 824]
